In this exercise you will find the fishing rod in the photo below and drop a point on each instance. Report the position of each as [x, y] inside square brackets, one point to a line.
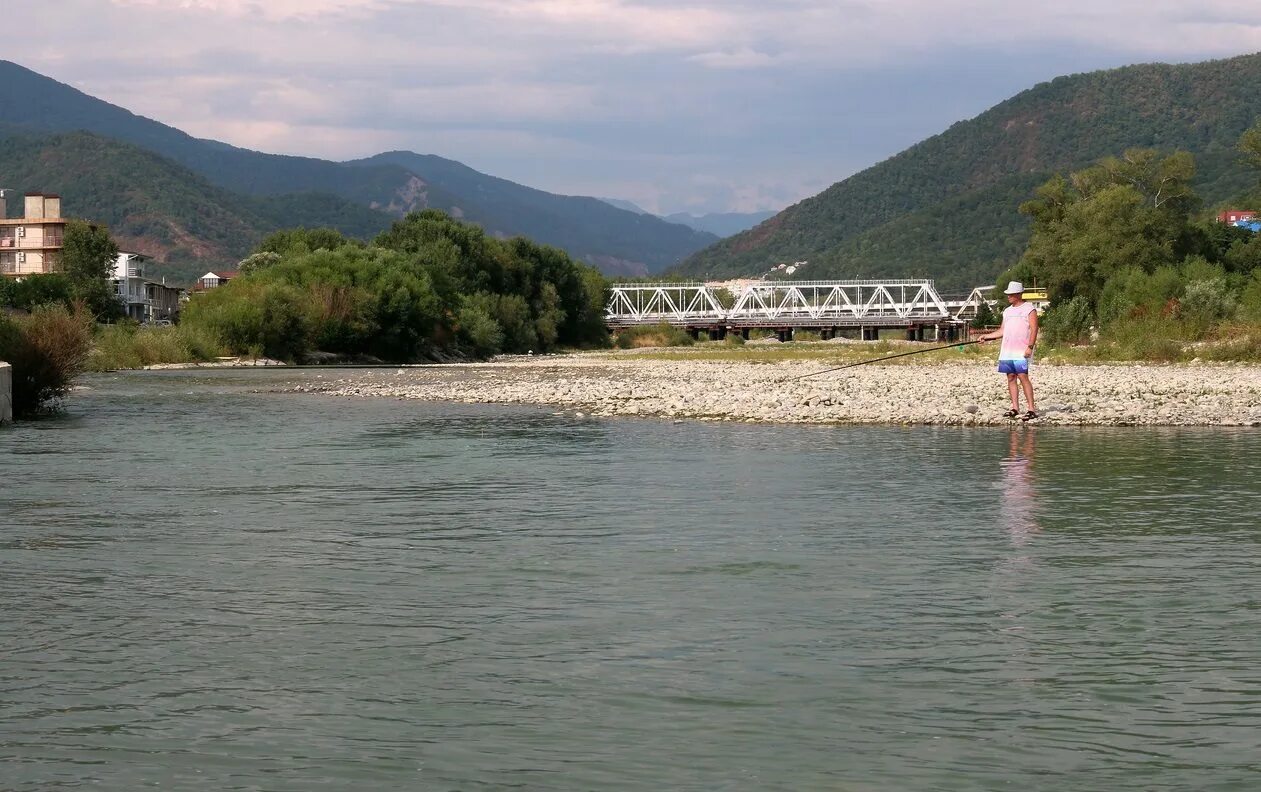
[889, 357]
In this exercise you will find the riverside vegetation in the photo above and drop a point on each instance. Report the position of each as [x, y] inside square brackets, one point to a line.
[428, 288]
[1123, 247]
[47, 349]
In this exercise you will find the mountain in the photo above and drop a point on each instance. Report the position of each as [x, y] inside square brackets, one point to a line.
[629, 206]
[395, 183]
[946, 208]
[614, 239]
[721, 224]
[157, 207]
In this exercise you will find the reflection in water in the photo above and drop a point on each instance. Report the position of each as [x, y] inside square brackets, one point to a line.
[1019, 496]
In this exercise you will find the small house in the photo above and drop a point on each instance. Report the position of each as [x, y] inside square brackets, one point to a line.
[213, 280]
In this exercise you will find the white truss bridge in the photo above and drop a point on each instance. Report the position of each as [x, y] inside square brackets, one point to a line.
[786, 305]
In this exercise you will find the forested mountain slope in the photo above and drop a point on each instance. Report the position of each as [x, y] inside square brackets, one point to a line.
[947, 207]
[396, 183]
[157, 207]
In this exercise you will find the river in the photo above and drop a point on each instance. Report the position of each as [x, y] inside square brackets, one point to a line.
[205, 586]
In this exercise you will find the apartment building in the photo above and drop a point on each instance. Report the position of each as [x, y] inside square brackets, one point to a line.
[31, 244]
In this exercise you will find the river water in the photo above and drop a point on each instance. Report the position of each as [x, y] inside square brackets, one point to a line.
[207, 587]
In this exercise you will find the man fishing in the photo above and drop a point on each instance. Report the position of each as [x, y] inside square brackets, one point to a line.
[1019, 333]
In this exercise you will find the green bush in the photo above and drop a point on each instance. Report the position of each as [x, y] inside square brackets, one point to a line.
[1145, 338]
[47, 350]
[1134, 292]
[1250, 299]
[1206, 302]
[479, 330]
[1067, 323]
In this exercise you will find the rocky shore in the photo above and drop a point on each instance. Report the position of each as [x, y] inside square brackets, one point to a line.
[953, 394]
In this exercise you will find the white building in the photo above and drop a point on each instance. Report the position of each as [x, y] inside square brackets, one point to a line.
[143, 300]
[129, 284]
[213, 280]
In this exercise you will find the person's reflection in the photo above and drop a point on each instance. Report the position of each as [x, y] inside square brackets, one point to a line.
[1019, 498]
[1016, 600]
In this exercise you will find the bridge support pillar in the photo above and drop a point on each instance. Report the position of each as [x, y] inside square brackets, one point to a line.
[744, 333]
[695, 333]
[785, 335]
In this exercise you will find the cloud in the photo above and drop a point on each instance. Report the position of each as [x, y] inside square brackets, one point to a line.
[699, 104]
[271, 10]
[743, 58]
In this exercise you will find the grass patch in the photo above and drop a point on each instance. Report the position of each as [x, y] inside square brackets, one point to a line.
[127, 346]
[659, 335]
[821, 352]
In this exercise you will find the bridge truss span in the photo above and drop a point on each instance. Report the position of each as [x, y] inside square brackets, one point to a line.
[838, 303]
[681, 304]
[780, 304]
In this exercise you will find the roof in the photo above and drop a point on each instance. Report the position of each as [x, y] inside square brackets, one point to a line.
[149, 282]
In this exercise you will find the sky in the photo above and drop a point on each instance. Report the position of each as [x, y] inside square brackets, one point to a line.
[700, 106]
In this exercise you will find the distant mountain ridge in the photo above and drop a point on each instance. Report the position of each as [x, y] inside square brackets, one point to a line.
[611, 238]
[946, 208]
[720, 224]
[393, 183]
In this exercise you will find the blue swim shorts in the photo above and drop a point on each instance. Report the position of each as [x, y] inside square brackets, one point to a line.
[1013, 366]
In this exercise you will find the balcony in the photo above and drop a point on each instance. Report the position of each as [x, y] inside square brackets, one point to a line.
[30, 243]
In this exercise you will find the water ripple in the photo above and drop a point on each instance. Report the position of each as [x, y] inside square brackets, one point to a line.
[229, 590]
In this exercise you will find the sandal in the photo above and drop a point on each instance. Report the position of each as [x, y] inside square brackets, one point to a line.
[1029, 416]
[1011, 414]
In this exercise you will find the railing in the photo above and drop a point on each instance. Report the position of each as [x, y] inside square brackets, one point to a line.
[30, 243]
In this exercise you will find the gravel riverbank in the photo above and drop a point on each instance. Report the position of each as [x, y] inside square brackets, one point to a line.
[954, 393]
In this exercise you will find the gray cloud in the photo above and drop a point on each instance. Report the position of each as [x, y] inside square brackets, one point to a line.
[704, 105]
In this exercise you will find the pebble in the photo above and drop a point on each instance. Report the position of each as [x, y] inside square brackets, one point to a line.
[954, 393]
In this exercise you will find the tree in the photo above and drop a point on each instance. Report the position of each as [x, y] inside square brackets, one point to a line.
[985, 316]
[87, 259]
[257, 262]
[1123, 213]
[1250, 144]
[1164, 181]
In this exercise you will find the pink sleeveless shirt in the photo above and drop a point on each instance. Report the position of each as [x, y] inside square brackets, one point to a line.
[1015, 331]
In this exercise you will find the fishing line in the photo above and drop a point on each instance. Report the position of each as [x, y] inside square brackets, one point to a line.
[889, 357]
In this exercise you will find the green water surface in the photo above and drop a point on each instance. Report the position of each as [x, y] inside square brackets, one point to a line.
[207, 587]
